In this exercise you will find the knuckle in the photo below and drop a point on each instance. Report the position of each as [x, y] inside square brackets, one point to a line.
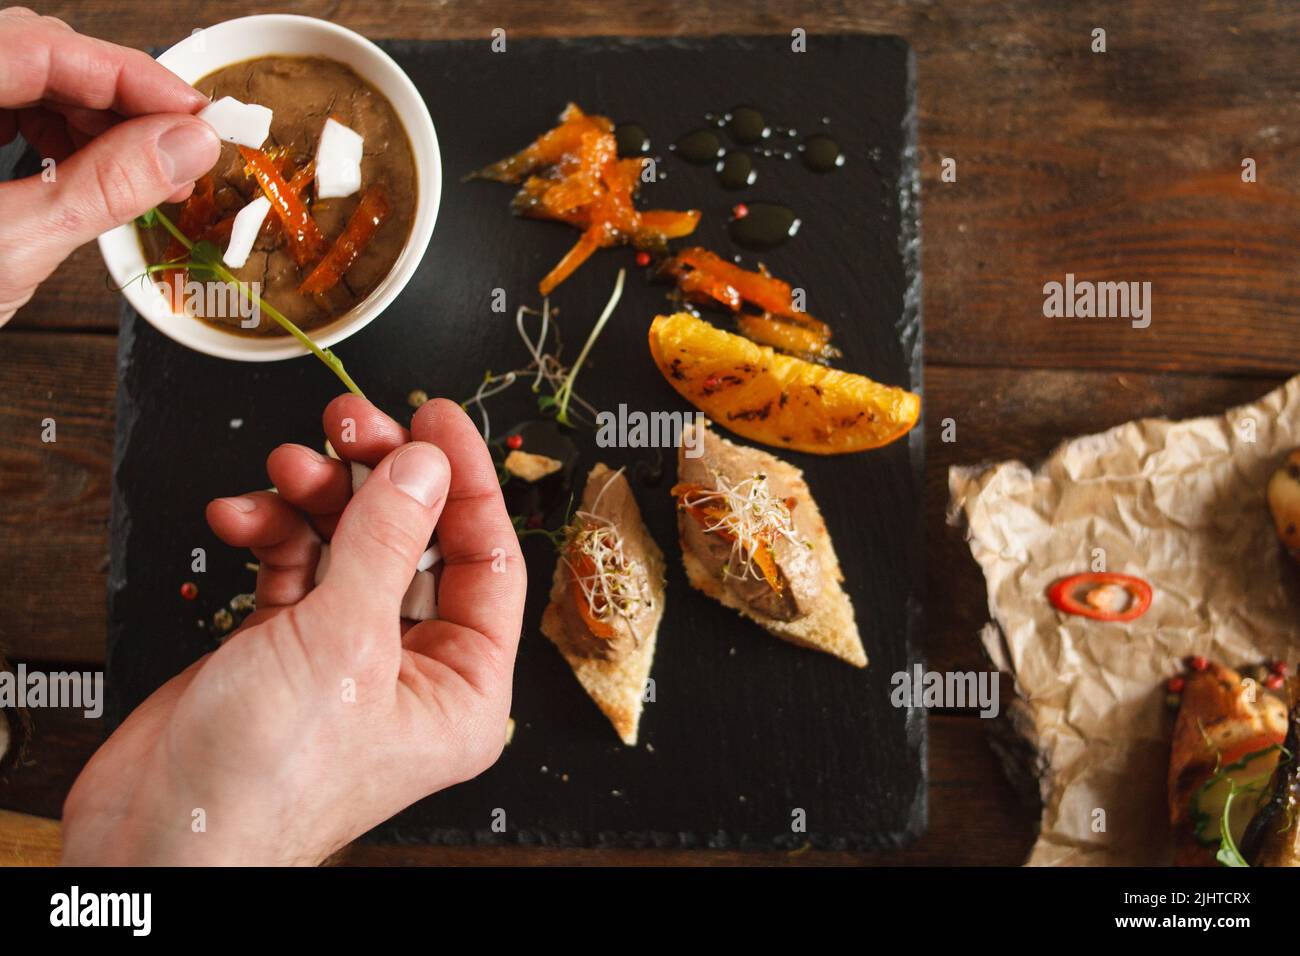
[393, 537]
[117, 189]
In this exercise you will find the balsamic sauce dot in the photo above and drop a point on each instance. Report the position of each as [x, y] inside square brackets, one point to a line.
[699, 146]
[765, 226]
[736, 171]
[822, 154]
[632, 140]
[747, 125]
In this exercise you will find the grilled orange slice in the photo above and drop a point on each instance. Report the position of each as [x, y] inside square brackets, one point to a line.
[777, 399]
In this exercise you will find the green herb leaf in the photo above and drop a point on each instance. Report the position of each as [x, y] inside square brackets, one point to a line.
[1228, 854]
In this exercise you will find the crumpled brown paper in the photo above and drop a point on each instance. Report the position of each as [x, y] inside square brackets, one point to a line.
[1181, 504]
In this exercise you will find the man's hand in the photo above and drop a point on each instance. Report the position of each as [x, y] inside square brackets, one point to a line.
[320, 718]
[119, 128]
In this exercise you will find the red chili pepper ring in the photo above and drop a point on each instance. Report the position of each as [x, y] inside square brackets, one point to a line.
[1086, 595]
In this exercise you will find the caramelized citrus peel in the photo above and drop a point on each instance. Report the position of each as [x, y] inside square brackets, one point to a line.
[306, 241]
[366, 219]
[572, 174]
[776, 399]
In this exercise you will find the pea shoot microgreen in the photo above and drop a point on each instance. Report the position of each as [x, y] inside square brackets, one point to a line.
[203, 262]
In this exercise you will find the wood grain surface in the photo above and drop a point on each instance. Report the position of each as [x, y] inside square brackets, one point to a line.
[1122, 166]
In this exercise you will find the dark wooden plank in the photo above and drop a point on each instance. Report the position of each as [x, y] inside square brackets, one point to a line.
[61, 742]
[1116, 166]
[54, 495]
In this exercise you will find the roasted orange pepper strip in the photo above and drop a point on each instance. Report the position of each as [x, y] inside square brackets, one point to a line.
[306, 242]
[370, 214]
[703, 275]
[783, 334]
[585, 567]
[757, 288]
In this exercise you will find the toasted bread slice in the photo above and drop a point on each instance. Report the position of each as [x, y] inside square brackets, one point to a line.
[617, 685]
[829, 626]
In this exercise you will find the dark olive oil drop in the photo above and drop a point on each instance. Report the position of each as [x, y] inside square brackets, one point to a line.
[822, 154]
[736, 171]
[699, 147]
[632, 140]
[765, 225]
[747, 126]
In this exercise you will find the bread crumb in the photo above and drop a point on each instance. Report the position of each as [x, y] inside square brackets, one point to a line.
[531, 467]
[510, 730]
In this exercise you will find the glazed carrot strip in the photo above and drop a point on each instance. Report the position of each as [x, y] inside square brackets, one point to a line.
[370, 213]
[306, 242]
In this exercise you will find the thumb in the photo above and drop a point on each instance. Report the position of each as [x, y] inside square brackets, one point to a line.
[384, 530]
[120, 174]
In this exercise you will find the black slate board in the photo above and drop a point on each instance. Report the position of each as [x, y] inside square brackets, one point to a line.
[745, 729]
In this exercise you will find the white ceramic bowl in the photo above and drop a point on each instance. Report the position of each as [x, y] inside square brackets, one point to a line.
[248, 38]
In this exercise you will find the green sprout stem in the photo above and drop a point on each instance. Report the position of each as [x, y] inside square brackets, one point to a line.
[325, 355]
[566, 387]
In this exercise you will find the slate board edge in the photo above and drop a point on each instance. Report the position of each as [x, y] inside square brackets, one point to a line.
[126, 411]
[917, 730]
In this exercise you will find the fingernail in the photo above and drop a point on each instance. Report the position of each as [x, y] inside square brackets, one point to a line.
[242, 505]
[188, 150]
[417, 470]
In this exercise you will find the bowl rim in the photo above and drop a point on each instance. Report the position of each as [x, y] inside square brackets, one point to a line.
[124, 258]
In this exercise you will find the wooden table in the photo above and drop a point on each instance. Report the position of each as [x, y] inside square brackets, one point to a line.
[1116, 166]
